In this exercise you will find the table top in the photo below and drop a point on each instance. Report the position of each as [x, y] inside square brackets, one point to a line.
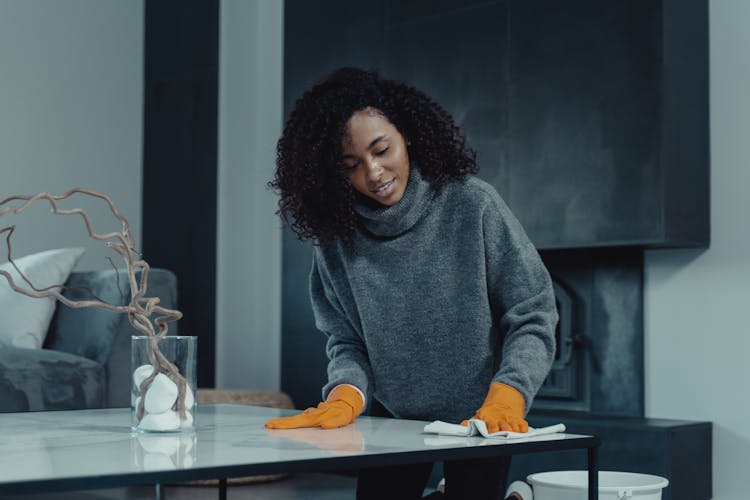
[64, 450]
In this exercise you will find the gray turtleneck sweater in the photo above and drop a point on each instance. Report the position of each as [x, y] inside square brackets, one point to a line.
[435, 298]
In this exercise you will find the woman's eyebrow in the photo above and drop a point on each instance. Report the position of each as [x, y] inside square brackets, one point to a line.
[369, 146]
[376, 140]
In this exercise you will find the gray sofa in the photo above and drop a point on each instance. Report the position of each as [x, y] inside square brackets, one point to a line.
[85, 362]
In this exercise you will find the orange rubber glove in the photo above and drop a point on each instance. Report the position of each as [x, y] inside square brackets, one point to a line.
[502, 410]
[342, 406]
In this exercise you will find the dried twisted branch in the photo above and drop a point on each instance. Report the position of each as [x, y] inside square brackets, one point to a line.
[139, 309]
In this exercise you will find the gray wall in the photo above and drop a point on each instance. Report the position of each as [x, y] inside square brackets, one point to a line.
[697, 335]
[248, 284]
[71, 114]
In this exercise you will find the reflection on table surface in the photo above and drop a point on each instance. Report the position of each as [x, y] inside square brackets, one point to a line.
[84, 443]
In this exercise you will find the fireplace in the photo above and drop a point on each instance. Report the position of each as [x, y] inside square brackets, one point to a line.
[598, 366]
[566, 387]
[596, 385]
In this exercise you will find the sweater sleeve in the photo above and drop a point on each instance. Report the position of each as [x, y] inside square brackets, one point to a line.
[522, 300]
[348, 362]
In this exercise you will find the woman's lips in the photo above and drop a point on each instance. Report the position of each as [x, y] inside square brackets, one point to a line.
[385, 190]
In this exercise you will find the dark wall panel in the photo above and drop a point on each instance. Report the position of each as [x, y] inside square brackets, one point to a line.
[685, 75]
[179, 160]
[460, 58]
[585, 114]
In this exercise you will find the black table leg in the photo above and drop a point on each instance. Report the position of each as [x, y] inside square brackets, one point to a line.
[223, 488]
[159, 492]
[593, 473]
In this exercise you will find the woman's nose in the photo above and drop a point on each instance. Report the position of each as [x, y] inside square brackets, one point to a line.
[374, 170]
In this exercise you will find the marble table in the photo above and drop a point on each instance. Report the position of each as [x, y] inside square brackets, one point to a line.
[85, 449]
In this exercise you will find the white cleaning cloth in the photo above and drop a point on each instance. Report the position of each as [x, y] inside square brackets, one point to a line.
[478, 427]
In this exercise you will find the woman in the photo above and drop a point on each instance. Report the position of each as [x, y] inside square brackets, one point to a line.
[435, 303]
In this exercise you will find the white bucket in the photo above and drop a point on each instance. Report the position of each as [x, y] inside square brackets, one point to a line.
[573, 485]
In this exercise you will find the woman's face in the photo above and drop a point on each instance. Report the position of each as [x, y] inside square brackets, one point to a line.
[374, 157]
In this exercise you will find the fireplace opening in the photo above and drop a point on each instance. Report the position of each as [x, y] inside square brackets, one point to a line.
[566, 386]
[598, 365]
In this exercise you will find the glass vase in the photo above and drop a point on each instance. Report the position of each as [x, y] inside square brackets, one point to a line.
[163, 381]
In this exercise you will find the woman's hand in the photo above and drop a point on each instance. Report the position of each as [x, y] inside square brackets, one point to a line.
[343, 405]
[502, 410]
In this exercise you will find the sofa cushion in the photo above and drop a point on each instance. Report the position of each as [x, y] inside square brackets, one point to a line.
[26, 319]
[90, 331]
[42, 379]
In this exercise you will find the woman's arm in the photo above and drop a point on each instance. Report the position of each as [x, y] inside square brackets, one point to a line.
[348, 366]
[523, 302]
[348, 360]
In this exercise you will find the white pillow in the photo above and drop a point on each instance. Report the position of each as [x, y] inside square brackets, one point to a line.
[24, 320]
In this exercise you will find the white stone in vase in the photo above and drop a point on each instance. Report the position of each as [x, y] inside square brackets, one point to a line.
[188, 420]
[142, 373]
[161, 395]
[166, 421]
[189, 398]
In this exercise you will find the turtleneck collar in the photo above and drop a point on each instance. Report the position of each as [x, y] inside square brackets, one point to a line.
[389, 221]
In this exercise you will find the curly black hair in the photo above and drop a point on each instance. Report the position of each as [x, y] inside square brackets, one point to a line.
[316, 197]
